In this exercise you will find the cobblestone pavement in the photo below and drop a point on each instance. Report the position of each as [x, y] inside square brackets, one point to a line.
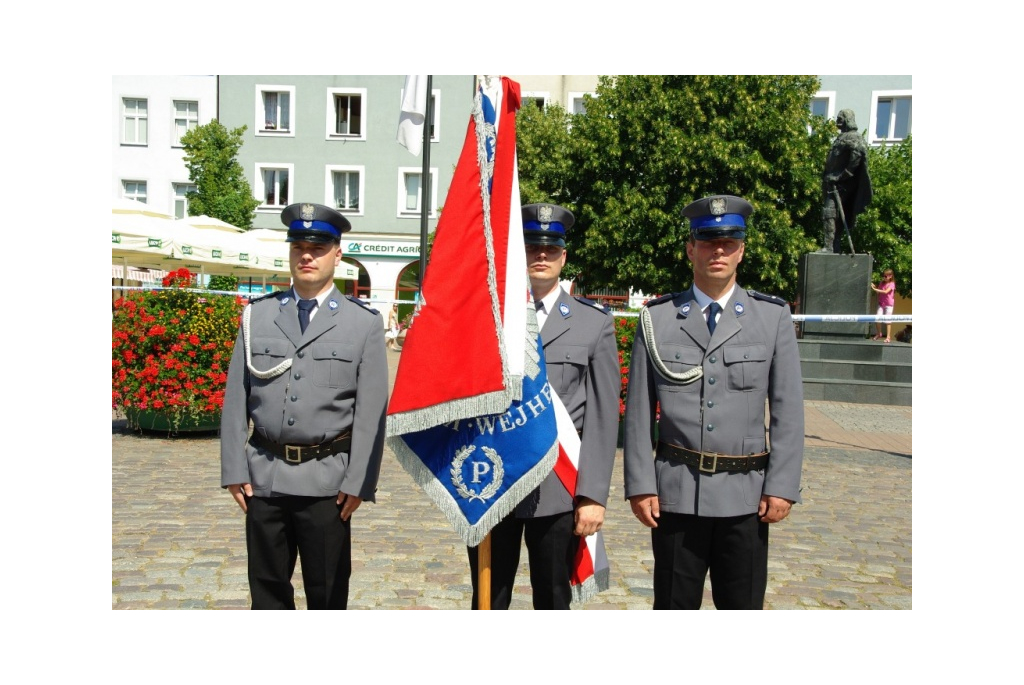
[178, 540]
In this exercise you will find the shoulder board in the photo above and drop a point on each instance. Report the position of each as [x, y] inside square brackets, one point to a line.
[663, 298]
[362, 304]
[267, 296]
[767, 298]
[590, 303]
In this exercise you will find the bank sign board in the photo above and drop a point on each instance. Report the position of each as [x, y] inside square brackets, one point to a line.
[374, 248]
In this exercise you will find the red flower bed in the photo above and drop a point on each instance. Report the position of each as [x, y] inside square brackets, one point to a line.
[171, 350]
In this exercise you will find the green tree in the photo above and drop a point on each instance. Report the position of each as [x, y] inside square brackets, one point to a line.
[542, 145]
[884, 228]
[222, 191]
[649, 145]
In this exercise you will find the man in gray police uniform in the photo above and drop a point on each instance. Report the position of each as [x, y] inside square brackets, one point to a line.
[311, 376]
[583, 368]
[712, 355]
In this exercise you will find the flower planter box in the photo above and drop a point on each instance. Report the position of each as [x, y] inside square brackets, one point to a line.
[156, 420]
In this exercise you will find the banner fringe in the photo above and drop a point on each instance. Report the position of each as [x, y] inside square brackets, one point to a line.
[472, 535]
[599, 582]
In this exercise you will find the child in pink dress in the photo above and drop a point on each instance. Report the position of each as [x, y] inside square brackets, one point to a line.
[886, 299]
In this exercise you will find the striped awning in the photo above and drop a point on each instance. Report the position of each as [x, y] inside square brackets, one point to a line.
[137, 274]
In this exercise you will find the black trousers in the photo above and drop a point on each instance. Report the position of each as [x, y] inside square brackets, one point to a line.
[279, 528]
[551, 546]
[734, 548]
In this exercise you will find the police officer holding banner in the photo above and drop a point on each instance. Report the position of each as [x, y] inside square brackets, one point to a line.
[717, 476]
[581, 357]
[309, 375]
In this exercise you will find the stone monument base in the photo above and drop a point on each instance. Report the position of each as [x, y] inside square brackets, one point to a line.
[832, 283]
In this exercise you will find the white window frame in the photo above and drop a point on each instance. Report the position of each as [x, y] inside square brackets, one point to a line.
[136, 119]
[575, 95]
[260, 189]
[260, 118]
[416, 171]
[877, 95]
[177, 197]
[830, 97]
[138, 196]
[332, 115]
[435, 136]
[329, 171]
[538, 95]
[191, 121]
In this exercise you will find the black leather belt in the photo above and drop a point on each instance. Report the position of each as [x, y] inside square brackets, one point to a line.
[713, 462]
[297, 454]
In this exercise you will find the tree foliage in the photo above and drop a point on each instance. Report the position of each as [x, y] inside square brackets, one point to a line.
[884, 228]
[222, 191]
[649, 145]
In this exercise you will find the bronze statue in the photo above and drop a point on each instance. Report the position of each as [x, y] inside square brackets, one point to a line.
[845, 179]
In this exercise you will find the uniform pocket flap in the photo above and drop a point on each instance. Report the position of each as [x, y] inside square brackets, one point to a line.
[674, 353]
[331, 351]
[271, 348]
[745, 353]
[566, 354]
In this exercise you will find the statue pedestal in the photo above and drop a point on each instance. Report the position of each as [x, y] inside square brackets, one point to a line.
[835, 284]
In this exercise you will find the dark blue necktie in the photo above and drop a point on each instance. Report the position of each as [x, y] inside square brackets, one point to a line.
[713, 310]
[305, 307]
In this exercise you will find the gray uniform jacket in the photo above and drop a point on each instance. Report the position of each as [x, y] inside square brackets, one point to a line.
[338, 382]
[752, 357]
[583, 368]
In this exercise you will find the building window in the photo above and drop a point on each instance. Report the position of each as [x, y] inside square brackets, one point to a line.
[346, 113]
[273, 185]
[891, 116]
[134, 190]
[344, 188]
[181, 191]
[136, 122]
[410, 191]
[823, 105]
[274, 107]
[578, 102]
[536, 98]
[186, 118]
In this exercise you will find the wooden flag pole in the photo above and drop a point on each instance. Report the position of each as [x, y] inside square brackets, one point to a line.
[483, 576]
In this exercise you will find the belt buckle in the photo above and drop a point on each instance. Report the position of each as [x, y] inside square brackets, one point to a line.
[288, 449]
[714, 461]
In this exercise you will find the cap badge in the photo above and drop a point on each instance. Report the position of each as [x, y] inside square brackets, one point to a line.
[564, 308]
[718, 206]
[333, 304]
[307, 213]
[544, 214]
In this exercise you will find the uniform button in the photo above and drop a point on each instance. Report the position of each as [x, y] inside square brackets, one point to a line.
[334, 354]
[291, 422]
[298, 376]
[746, 356]
[294, 398]
[711, 381]
[301, 354]
[677, 355]
[711, 427]
[711, 403]
[266, 350]
[713, 359]
[566, 355]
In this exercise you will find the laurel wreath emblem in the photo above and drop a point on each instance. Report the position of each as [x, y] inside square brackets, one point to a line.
[460, 485]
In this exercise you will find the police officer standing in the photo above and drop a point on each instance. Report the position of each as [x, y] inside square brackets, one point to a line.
[309, 373]
[711, 356]
[582, 363]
